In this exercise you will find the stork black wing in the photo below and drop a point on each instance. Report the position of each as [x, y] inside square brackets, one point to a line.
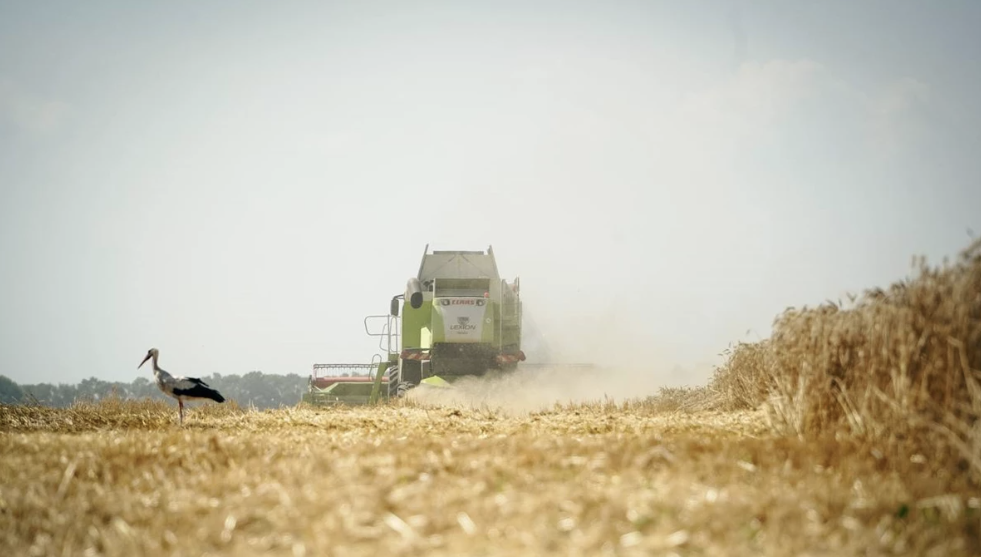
[197, 381]
[200, 390]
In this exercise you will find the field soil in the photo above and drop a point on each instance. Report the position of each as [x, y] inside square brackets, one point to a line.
[634, 478]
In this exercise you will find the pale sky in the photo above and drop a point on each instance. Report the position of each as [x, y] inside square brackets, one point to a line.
[239, 183]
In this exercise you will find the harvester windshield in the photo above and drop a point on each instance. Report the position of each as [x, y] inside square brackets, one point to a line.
[467, 287]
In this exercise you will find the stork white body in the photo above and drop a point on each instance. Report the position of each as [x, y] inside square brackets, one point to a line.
[179, 387]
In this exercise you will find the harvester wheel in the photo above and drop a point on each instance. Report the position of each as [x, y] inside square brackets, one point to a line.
[403, 388]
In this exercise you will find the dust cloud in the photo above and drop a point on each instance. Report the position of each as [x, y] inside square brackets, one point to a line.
[612, 360]
[536, 387]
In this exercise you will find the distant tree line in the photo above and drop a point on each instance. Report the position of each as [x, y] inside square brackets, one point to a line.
[262, 390]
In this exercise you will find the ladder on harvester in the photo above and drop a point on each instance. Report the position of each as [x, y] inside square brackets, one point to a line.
[385, 366]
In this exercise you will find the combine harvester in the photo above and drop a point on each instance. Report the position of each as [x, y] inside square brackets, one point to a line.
[456, 318]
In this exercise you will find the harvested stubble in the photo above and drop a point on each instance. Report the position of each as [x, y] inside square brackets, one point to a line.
[122, 478]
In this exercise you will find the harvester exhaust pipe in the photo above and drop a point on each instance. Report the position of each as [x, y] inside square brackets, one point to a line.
[413, 291]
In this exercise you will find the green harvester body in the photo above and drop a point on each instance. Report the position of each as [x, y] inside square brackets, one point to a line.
[455, 318]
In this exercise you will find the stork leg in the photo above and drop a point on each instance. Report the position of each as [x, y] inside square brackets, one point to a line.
[180, 405]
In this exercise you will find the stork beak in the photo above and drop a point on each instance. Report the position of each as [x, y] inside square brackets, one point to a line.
[143, 362]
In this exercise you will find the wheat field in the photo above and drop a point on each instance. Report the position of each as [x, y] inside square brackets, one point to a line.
[852, 430]
[123, 478]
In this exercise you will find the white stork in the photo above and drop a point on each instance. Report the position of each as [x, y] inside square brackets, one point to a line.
[181, 388]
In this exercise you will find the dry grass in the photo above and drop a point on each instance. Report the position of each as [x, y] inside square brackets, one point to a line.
[122, 478]
[851, 431]
[897, 369]
[743, 381]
